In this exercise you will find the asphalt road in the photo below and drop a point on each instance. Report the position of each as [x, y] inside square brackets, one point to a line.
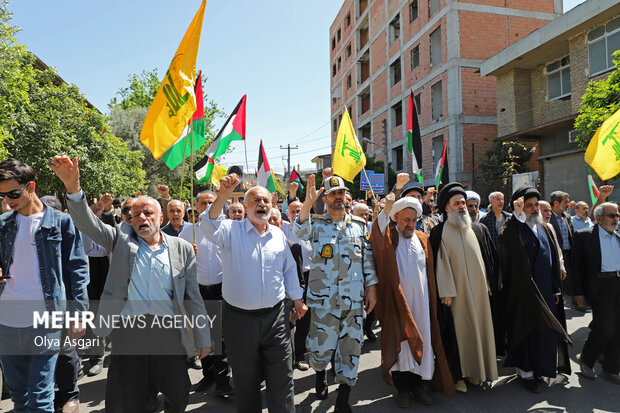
[565, 394]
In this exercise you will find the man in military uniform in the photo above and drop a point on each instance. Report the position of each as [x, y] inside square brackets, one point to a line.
[342, 276]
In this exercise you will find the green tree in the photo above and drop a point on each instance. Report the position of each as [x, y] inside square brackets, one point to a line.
[601, 100]
[41, 116]
[372, 164]
[128, 111]
[504, 159]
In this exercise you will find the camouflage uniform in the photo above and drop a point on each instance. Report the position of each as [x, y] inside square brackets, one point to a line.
[342, 266]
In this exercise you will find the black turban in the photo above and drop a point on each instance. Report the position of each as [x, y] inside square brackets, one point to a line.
[526, 192]
[448, 191]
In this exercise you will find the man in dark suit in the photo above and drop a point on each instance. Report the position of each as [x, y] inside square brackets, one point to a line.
[596, 263]
[563, 226]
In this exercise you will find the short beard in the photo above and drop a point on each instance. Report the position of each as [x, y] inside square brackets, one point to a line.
[255, 218]
[458, 220]
[534, 220]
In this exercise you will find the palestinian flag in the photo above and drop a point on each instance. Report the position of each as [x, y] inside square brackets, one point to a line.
[415, 140]
[594, 194]
[233, 130]
[440, 165]
[294, 177]
[204, 170]
[193, 136]
[264, 177]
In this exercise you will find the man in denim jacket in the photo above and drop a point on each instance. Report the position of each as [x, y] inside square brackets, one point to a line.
[44, 268]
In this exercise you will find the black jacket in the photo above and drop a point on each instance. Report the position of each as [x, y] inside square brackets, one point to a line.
[586, 261]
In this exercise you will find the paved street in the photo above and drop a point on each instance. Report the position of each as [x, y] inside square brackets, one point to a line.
[372, 394]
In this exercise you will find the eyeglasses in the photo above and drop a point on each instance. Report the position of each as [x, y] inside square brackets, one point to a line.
[125, 210]
[14, 194]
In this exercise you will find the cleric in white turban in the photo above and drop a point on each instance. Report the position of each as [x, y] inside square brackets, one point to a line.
[473, 205]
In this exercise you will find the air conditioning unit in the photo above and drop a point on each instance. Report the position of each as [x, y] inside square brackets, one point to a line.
[572, 136]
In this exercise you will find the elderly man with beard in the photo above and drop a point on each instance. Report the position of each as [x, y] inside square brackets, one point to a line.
[597, 269]
[411, 347]
[341, 276]
[534, 310]
[236, 212]
[258, 272]
[460, 247]
[473, 205]
[152, 278]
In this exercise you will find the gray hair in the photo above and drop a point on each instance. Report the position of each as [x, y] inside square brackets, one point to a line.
[247, 193]
[492, 195]
[359, 207]
[151, 200]
[203, 193]
[557, 196]
[600, 209]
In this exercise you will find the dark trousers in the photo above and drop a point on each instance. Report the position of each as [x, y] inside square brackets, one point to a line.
[157, 366]
[567, 283]
[604, 336]
[66, 375]
[259, 347]
[302, 326]
[214, 366]
[98, 271]
[405, 381]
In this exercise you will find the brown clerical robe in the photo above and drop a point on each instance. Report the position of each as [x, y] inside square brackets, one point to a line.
[461, 274]
[397, 323]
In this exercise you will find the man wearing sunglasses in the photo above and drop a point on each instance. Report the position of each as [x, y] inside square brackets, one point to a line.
[597, 277]
[44, 268]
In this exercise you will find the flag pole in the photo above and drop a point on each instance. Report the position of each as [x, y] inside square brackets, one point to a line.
[191, 163]
[183, 170]
[245, 150]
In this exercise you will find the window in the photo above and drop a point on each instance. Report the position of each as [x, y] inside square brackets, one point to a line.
[433, 7]
[395, 72]
[364, 101]
[339, 35]
[347, 20]
[335, 122]
[395, 29]
[413, 11]
[415, 57]
[333, 70]
[397, 114]
[416, 100]
[435, 42]
[437, 154]
[339, 63]
[437, 101]
[347, 52]
[602, 42]
[397, 158]
[350, 109]
[333, 43]
[558, 79]
[349, 82]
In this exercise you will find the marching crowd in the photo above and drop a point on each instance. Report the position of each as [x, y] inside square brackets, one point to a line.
[455, 288]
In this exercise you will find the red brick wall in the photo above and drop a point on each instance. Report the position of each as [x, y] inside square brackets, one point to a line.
[479, 96]
[379, 90]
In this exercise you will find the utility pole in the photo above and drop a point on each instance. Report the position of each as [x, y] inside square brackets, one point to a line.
[385, 151]
[288, 164]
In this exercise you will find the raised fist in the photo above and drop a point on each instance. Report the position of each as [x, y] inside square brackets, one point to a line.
[401, 180]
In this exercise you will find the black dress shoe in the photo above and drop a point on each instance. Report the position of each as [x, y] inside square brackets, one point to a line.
[204, 384]
[224, 389]
[403, 399]
[321, 385]
[421, 395]
[535, 385]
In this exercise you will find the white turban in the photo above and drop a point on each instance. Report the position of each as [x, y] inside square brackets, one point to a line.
[473, 195]
[406, 202]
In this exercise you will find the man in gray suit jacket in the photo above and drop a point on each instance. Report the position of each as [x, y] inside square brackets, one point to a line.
[152, 278]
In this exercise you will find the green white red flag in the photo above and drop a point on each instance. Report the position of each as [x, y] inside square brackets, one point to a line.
[264, 177]
[193, 136]
[296, 178]
[594, 193]
[414, 146]
[440, 165]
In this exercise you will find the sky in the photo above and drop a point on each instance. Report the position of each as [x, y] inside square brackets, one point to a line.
[275, 51]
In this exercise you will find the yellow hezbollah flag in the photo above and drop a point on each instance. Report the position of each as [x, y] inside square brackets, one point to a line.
[175, 101]
[218, 173]
[278, 186]
[348, 159]
[603, 153]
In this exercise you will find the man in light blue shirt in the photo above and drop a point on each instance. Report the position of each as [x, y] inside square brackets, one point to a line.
[581, 219]
[258, 272]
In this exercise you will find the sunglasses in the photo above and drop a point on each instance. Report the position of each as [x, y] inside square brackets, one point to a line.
[612, 216]
[14, 194]
[125, 210]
